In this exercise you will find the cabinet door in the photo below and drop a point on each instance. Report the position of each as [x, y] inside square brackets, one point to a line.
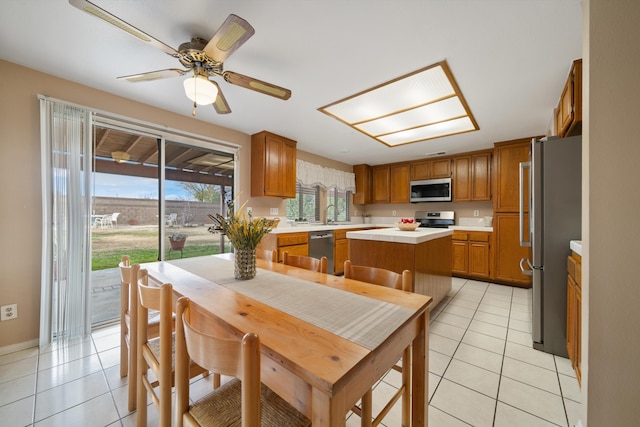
[461, 179]
[508, 159]
[420, 170]
[288, 163]
[441, 168]
[481, 177]
[508, 251]
[460, 257]
[362, 195]
[273, 166]
[399, 183]
[340, 255]
[293, 250]
[479, 259]
[380, 178]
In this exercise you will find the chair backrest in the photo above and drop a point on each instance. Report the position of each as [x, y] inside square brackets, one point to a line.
[114, 216]
[379, 276]
[218, 351]
[158, 298]
[306, 262]
[267, 254]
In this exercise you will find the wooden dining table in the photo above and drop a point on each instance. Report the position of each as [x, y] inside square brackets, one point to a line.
[325, 340]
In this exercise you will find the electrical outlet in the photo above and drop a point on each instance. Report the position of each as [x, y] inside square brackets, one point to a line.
[393, 213]
[8, 312]
[273, 211]
[249, 211]
[476, 212]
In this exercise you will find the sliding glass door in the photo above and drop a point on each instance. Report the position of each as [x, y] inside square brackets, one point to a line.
[151, 200]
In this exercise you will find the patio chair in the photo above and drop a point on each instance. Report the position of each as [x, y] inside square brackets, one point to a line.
[171, 219]
[114, 219]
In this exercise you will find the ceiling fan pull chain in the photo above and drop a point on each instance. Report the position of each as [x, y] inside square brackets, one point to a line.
[193, 113]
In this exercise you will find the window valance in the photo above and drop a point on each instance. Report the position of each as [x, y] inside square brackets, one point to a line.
[310, 174]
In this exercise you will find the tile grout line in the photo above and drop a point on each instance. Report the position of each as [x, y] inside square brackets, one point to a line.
[106, 380]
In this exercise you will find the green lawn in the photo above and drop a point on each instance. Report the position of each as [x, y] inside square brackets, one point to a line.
[141, 245]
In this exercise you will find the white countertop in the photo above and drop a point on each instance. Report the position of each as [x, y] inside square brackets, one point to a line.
[395, 235]
[301, 228]
[576, 246]
[471, 228]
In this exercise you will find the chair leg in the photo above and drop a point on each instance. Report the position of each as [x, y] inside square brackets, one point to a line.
[366, 411]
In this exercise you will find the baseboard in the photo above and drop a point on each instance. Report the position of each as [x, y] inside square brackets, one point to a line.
[19, 346]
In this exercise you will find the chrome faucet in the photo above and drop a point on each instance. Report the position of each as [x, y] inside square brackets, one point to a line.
[326, 210]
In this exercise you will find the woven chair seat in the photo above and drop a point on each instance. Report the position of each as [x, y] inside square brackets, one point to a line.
[222, 408]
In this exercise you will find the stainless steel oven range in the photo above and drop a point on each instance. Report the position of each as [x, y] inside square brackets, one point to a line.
[442, 219]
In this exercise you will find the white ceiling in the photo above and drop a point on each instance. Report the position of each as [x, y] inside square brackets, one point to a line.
[510, 58]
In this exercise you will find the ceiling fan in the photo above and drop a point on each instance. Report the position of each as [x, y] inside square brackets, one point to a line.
[201, 58]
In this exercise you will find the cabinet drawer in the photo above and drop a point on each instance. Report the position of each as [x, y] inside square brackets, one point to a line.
[293, 239]
[479, 237]
[340, 234]
[459, 235]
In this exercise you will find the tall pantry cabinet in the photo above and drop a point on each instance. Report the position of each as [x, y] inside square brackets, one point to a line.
[508, 252]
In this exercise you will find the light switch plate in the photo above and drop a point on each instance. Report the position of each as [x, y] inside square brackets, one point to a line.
[273, 211]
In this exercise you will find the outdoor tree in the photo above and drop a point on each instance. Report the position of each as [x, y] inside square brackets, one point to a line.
[202, 192]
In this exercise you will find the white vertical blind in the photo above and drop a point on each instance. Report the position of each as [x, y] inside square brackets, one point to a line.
[66, 262]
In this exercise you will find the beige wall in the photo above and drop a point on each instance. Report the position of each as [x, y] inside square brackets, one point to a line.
[612, 231]
[20, 180]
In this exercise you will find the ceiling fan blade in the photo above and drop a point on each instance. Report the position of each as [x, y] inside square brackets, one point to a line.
[257, 85]
[98, 12]
[221, 106]
[154, 75]
[229, 37]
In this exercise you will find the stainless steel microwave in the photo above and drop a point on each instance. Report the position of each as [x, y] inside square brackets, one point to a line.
[431, 190]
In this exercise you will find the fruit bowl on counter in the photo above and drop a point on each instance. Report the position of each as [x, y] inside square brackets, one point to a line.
[407, 224]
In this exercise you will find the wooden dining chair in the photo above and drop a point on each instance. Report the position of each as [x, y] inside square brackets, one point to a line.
[391, 279]
[241, 401]
[267, 254]
[129, 326]
[306, 262]
[156, 354]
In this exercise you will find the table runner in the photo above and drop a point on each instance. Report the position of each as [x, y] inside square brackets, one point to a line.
[357, 318]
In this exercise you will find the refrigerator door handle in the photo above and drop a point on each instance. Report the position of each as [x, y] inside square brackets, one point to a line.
[529, 271]
[523, 242]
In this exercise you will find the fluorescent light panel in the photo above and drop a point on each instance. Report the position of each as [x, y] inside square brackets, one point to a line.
[422, 105]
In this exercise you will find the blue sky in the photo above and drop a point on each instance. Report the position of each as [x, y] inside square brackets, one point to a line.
[110, 185]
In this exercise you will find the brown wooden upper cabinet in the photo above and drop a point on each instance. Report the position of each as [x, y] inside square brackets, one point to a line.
[273, 165]
[399, 183]
[380, 183]
[428, 169]
[568, 119]
[472, 177]
[508, 156]
[362, 196]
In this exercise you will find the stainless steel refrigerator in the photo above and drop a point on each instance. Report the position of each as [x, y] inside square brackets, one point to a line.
[552, 182]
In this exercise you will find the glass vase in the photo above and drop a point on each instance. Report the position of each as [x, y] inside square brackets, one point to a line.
[245, 264]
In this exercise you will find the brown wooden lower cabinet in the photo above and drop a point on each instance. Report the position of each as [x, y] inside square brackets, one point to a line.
[294, 243]
[471, 253]
[574, 312]
[507, 250]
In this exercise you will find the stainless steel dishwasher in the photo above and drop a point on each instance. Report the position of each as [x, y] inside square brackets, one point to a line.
[321, 244]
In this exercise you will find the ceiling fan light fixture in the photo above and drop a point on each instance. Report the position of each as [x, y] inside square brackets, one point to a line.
[200, 90]
[120, 156]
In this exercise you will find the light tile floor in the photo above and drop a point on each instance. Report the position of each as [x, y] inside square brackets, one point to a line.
[483, 372]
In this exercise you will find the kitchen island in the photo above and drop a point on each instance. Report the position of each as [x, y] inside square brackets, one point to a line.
[426, 252]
